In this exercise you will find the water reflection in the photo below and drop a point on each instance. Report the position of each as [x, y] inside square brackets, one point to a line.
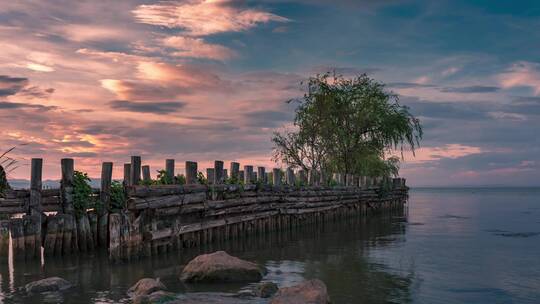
[337, 253]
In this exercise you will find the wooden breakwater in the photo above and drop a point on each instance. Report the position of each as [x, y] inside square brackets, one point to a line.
[158, 218]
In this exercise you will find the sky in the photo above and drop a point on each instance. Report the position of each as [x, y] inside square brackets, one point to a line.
[208, 79]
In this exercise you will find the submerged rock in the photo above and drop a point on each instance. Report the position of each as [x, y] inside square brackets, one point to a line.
[159, 296]
[145, 287]
[266, 289]
[221, 267]
[309, 292]
[48, 284]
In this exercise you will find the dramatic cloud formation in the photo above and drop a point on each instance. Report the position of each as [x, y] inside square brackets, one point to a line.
[208, 79]
[204, 17]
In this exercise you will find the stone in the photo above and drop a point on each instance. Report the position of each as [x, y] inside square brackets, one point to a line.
[47, 285]
[266, 289]
[159, 296]
[221, 267]
[309, 292]
[145, 287]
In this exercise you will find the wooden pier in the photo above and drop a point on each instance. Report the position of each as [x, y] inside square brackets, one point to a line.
[158, 218]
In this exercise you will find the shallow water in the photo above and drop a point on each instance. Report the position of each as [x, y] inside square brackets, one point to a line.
[449, 246]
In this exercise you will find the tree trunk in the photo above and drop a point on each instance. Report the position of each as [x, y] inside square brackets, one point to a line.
[4, 185]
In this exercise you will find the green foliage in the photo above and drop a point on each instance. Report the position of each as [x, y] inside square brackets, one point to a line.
[82, 193]
[163, 178]
[118, 196]
[4, 186]
[180, 179]
[348, 126]
[234, 181]
[201, 179]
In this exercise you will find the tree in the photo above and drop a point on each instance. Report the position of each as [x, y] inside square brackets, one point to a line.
[349, 126]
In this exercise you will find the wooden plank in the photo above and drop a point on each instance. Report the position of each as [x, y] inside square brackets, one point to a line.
[163, 190]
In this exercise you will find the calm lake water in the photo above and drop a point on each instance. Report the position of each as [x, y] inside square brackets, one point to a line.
[449, 246]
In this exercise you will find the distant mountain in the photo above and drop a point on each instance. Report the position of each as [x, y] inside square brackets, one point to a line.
[47, 184]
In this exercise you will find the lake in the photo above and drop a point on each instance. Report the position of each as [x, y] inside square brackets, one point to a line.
[448, 246]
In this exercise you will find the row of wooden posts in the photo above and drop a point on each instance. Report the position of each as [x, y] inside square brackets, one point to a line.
[217, 175]
[67, 231]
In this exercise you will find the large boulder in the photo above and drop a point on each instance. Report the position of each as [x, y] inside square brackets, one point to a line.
[309, 292]
[145, 287]
[221, 267]
[47, 285]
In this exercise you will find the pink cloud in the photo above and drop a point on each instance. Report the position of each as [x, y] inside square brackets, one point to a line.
[522, 74]
[204, 17]
[198, 48]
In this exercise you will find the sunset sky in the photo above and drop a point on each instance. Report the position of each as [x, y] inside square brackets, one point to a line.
[204, 80]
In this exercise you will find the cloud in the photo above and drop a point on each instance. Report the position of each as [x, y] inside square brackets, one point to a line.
[268, 119]
[198, 48]
[11, 85]
[39, 67]
[470, 89]
[163, 107]
[409, 85]
[5, 105]
[204, 17]
[522, 74]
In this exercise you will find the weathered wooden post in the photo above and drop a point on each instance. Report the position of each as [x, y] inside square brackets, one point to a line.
[105, 198]
[235, 171]
[261, 174]
[16, 228]
[66, 185]
[35, 207]
[210, 175]
[146, 174]
[363, 182]
[191, 172]
[276, 176]
[135, 172]
[241, 175]
[127, 173]
[290, 177]
[69, 229]
[4, 238]
[169, 169]
[248, 174]
[312, 176]
[218, 172]
[302, 177]
[323, 181]
[349, 180]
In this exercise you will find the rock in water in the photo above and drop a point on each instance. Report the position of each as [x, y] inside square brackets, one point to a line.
[266, 289]
[145, 287]
[309, 292]
[221, 267]
[48, 284]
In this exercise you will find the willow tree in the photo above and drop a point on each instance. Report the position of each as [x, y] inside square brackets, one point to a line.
[7, 164]
[348, 125]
